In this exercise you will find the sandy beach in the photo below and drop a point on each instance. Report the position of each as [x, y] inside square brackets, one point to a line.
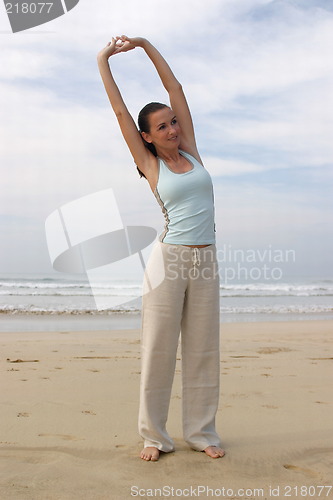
[69, 404]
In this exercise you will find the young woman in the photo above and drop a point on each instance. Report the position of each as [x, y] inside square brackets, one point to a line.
[187, 300]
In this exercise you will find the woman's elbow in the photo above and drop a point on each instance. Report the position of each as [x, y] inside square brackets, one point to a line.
[119, 113]
[176, 87]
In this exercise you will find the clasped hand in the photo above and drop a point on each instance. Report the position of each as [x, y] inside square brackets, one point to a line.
[121, 44]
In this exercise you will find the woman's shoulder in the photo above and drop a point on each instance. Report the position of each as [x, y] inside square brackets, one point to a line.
[192, 156]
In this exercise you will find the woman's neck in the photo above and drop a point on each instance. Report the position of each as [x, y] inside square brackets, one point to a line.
[168, 156]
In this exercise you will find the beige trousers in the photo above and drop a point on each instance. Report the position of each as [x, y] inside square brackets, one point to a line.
[186, 301]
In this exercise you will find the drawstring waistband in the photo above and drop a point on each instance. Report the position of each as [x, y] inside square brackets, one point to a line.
[195, 256]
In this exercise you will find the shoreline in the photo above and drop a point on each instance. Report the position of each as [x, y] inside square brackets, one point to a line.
[70, 403]
[104, 322]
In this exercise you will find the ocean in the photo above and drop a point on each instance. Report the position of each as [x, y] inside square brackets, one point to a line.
[58, 302]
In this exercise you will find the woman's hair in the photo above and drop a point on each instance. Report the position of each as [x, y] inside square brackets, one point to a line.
[144, 125]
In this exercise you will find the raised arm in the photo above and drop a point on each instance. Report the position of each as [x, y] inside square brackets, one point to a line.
[143, 158]
[173, 87]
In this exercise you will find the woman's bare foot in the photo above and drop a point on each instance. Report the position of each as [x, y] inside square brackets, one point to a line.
[214, 451]
[150, 453]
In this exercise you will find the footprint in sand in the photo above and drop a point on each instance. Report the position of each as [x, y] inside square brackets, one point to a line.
[65, 437]
[296, 468]
[321, 359]
[243, 356]
[273, 350]
[92, 357]
[239, 395]
[22, 360]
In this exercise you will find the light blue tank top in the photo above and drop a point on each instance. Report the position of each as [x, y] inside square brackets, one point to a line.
[187, 202]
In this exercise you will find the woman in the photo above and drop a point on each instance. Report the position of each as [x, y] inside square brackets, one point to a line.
[187, 300]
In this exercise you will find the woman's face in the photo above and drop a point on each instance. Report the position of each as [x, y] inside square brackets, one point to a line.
[164, 129]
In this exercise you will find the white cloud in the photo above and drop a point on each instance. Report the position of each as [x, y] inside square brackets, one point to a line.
[266, 212]
[26, 63]
[219, 167]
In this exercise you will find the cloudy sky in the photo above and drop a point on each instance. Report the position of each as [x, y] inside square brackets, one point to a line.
[258, 75]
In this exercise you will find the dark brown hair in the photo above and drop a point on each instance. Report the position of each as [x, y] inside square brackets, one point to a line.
[144, 125]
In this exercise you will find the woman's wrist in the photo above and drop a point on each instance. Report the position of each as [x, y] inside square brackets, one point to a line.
[102, 59]
[143, 42]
